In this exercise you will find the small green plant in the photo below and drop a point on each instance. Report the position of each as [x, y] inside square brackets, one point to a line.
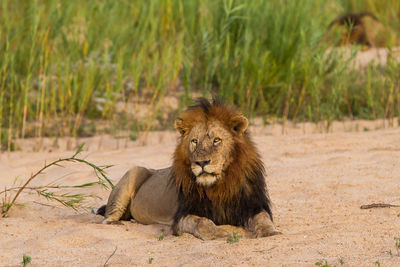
[322, 263]
[397, 245]
[377, 263]
[234, 237]
[73, 200]
[180, 233]
[26, 260]
[150, 261]
[161, 236]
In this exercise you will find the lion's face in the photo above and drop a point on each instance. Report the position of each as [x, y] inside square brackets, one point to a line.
[209, 146]
[208, 141]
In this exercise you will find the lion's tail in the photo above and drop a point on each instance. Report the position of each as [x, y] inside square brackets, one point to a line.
[99, 211]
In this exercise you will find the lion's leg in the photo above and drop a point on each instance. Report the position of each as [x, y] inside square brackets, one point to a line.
[200, 227]
[261, 225]
[123, 192]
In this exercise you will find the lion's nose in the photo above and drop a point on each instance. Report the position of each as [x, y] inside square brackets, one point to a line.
[202, 163]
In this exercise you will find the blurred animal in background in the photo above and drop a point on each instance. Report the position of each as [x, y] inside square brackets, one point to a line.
[361, 28]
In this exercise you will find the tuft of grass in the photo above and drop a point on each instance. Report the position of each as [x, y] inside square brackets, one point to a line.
[397, 245]
[26, 260]
[150, 260]
[324, 263]
[73, 201]
[161, 236]
[234, 237]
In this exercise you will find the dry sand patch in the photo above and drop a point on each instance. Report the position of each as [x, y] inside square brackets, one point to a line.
[317, 182]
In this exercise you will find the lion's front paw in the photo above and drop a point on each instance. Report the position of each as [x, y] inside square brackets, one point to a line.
[207, 230]
[264, 231]
[107, 221]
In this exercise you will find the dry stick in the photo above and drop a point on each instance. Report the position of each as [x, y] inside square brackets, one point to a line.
[378, 205]
[265, 250]
[47, 205]
[36, 188]
[110, 256]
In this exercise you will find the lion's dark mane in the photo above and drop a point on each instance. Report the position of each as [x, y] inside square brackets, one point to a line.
[242, 192]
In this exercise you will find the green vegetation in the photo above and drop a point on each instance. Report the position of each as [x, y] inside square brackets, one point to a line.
[324, 263]
[71, 200]
[161, 236]
[397, 245]
[234, 237]
[26, 260]
[67, 64]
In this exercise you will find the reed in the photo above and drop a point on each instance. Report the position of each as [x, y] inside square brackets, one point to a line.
[66, 63]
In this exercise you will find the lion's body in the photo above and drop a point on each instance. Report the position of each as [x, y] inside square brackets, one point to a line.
[364, 29]
[156, 201]
[217, 178]
[146, 195]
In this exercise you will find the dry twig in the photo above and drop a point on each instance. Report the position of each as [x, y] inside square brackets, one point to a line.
[112, 254]
[378, 205]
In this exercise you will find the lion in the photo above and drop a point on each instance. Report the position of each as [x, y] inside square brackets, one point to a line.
[217, 178]
[362, 28]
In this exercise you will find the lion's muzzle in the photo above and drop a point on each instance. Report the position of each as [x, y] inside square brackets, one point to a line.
[205, 172]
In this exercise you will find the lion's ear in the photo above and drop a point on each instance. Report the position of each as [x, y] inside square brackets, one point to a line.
[240, 124]
[179, 126]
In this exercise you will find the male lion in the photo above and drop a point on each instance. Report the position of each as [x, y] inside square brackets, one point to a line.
[362, 28]
[217, 178]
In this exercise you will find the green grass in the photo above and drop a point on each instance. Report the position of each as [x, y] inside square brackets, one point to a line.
[26, 260]
[324, 263]
[397, 245]
[234, 237]
[65, 64]
[161, 236]
[71, 200]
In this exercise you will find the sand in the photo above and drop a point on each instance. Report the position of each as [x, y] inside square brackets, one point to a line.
[317, 182]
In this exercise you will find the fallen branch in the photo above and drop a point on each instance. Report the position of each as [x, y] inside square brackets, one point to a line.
[378, 205]
[69, 200]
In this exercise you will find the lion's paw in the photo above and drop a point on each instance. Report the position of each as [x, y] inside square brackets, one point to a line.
[207, 230]
[107, 221]
[264, 231]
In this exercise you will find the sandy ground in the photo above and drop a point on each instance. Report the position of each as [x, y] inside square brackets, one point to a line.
[317, 182]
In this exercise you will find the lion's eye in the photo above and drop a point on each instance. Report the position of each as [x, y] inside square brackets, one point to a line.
[217, 140]
[194, 141]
